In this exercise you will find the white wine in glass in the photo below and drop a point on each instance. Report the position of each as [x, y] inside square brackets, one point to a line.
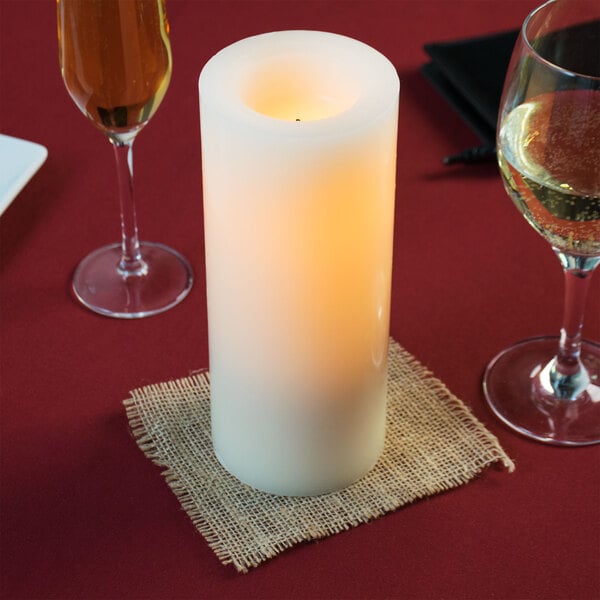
[548, 143]
[115, 60]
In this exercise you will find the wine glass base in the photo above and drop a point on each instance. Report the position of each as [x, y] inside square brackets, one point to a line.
[514, 388]
[98, 284]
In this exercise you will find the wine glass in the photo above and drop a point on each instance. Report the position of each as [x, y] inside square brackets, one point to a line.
[548, 142]
[115, 60]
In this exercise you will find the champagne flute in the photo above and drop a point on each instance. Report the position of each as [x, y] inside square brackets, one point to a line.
[548, 388]
[115, 60]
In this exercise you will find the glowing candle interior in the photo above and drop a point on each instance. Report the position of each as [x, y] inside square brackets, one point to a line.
[299, 155]
[292, 89]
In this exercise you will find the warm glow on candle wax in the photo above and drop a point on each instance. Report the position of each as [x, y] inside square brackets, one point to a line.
[294, 89]
[298, 220]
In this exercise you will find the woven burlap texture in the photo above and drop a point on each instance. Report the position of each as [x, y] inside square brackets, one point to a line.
[433, 443]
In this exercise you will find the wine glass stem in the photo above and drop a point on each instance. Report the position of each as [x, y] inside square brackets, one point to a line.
[568, 376]
[131, 263]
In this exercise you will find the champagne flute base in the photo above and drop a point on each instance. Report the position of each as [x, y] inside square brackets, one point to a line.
[100, 286]
[516, 387]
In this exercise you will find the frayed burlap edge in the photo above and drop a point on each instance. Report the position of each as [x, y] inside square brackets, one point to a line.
[220, 506]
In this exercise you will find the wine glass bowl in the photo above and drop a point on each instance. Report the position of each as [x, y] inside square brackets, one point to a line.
[116, 63]
[548, 145]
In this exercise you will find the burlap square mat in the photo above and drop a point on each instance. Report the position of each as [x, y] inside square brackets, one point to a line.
[433, 443]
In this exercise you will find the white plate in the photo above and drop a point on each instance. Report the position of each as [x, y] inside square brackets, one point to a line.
[19, 160]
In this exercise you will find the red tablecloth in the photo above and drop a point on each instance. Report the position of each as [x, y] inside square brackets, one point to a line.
[85, 515]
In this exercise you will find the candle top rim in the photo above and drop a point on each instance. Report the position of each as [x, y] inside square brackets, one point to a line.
[365, 69]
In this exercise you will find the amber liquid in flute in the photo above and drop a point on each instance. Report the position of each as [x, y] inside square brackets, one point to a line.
[115, 59]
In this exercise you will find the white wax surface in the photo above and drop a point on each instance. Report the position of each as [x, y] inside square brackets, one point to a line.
[298, 233]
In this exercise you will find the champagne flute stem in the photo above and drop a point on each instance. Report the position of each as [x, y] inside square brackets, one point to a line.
[131, 263]
[568, 376]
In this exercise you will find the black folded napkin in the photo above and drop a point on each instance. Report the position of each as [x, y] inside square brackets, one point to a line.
[470, 74]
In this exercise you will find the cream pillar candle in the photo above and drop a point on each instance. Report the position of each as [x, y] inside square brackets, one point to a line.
[299, 158]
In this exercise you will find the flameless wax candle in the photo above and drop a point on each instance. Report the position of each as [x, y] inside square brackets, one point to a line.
[299, 159]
